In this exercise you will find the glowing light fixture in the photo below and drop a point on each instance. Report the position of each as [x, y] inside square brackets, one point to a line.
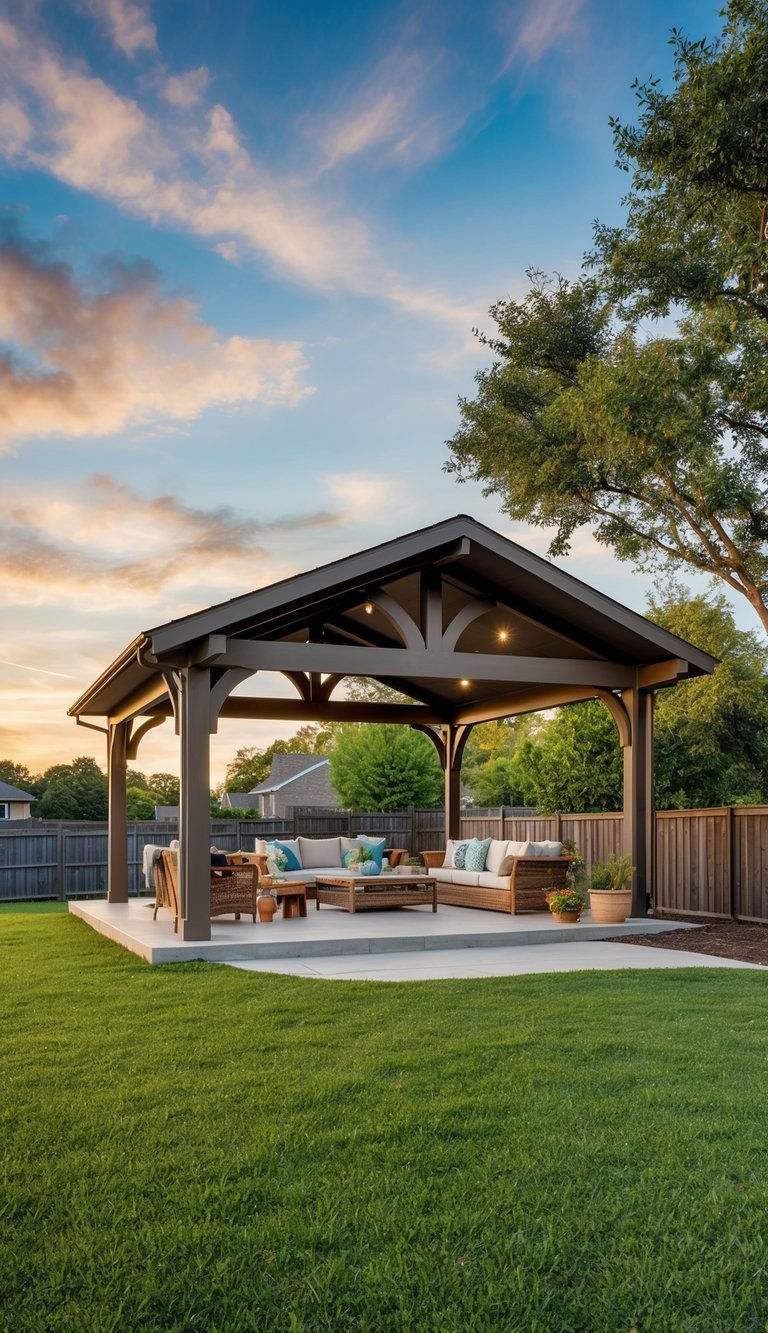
[503, 635]
[368, 608]
[464, 684]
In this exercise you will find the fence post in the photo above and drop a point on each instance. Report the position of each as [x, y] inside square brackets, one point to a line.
[731, 862]
[60, 863]
[558, 828]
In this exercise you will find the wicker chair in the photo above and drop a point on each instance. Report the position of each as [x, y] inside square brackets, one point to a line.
[233, 890]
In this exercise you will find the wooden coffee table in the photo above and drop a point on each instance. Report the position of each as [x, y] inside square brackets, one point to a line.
[358, 893]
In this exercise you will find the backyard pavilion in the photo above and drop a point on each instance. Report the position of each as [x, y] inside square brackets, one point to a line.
[468, 625]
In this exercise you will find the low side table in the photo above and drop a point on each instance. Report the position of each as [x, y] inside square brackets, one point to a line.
[293, 893]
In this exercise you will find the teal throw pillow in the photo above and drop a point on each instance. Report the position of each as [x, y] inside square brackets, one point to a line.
[375, 846]
[459, 855]
[350, 858]
[476, 854]
[293, 860]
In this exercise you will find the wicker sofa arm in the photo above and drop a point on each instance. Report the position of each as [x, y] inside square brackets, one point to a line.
[395, 854]
[432, 859]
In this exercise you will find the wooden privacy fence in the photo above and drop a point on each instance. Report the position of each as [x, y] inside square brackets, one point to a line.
[708, 862]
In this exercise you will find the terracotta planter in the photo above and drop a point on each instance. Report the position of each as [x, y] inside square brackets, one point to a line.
[567, 918]
[610, 907]
[266, 906]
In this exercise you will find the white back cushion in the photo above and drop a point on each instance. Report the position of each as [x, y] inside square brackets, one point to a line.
[551, 848]
[496, 853]
[319, 853]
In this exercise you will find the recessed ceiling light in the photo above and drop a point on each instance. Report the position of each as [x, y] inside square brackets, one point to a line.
[503, 635]
[464, 684]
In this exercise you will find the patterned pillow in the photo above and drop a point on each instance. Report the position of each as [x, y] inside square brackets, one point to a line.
[289, 848]
[459, 853]
[476, 854]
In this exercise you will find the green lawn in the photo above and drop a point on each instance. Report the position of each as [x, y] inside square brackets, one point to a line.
[192, 1147]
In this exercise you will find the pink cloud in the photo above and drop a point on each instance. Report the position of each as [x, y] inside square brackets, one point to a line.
[92, 358]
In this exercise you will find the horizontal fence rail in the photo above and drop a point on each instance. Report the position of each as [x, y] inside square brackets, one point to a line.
[707, 862]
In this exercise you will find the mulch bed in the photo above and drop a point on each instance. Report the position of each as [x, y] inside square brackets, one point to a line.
[725, 939]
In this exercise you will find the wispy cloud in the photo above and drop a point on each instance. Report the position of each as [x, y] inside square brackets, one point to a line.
[81, 543]
[93, 357]
[127, 24]
[398, 112]
[194, 170]
[364, 496]
[185, 90]
[539, 27]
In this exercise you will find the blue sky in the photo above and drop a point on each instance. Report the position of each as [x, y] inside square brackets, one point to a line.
[244, 250]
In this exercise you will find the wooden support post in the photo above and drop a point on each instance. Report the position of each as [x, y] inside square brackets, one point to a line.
[639, 831]
[454, 740]
[195, 805]
[117, 840]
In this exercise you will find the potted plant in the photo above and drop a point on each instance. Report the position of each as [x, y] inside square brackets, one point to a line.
[566, 905]
[414, 864]
[610, 890]
[366, 862]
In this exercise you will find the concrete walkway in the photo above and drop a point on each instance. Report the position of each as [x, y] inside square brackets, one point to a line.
[518, 960]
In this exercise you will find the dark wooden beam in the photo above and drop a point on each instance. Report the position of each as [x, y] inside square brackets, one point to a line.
[341, 710]
[406, 663]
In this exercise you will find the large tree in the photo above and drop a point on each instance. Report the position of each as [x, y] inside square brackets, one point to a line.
[711, 733]
[656, 439]
[384, 767]
[76, 791]
[17, 775]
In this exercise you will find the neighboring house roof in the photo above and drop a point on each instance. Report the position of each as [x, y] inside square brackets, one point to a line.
[237, 800]
[9, 793]
[286, 768]
[166, 812]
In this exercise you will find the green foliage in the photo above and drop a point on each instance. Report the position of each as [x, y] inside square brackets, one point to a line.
[382, 767]
[585, 416]
[232, 812]
[164, 788]
[353, 1102]
[251, 765]
[488, 771]
[575, 763]
[613, 875]
[566, 900]
[76, 791]
[712, 732]
[140, 803]
[599, 876]
[17, 775]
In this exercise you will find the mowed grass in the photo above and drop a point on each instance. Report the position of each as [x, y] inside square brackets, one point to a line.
[193, 1147]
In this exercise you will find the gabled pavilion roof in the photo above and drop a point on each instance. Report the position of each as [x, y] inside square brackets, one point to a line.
[456, 617]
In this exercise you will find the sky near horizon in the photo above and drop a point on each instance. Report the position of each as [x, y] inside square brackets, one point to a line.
[243, 251]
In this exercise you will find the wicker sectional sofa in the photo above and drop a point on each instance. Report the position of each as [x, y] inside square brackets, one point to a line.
[320, 856]
[516, 878]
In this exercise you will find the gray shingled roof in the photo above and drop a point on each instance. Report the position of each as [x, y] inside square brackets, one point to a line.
[287, 768]
[9, 793]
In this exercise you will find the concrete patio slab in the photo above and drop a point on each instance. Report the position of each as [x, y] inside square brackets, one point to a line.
[443, 964]
[331, 932]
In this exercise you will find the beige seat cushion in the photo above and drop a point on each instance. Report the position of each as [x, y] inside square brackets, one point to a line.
[488, 881]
